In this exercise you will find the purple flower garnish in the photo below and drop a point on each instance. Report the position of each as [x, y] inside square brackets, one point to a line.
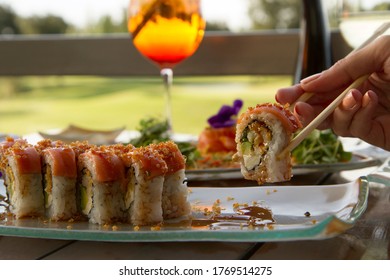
[224, 117]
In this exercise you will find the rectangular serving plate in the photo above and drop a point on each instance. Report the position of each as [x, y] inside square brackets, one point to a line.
[333, 209]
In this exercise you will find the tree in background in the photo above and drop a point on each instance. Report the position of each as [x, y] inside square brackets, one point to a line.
[216, 26]
[285, 14]
[106, 24]
[11, 23]
[8, 21]
[49, 24]
[274, 14]
[385, 6]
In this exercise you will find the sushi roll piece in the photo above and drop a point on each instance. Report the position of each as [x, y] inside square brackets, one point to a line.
[146, 171]
[101, 186]
[262, 133]
[59, 173]
[175, 191]
[21, 165]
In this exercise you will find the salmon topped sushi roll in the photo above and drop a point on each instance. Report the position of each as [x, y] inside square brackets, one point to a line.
[59, 179]
[146, 171]
[175, 192]
[101, 186]
[21, 164]
[262, 133]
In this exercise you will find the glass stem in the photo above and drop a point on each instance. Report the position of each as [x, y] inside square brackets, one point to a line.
[167, 75]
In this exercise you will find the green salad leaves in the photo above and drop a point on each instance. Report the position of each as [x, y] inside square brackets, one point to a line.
[153, 130]
[320, 147]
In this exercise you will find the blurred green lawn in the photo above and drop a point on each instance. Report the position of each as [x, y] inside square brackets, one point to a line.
[30, 104]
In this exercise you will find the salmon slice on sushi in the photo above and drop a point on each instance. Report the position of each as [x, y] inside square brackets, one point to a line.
[59, 171]
[145, 180]
[175, 191]
[101, 186]
[262, 133]
[21, 168]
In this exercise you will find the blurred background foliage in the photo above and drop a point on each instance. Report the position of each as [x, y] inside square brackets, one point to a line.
[47, 101]
[263, 14]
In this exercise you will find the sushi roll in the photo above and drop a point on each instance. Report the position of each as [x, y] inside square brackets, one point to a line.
[175, 191]
[101, 186]
[146, 171]
[21, 166]
[59, 172]
[262, 133]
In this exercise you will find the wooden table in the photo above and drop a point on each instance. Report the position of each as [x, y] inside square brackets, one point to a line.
[368, 239]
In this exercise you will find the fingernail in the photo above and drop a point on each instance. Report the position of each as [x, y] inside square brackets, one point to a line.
[310, 78]
[367, 99]
[349, 101]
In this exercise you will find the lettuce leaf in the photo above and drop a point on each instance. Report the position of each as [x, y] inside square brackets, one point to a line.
[320, 147]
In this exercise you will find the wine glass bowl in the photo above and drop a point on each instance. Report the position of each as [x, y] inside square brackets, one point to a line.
[166, 32]
[357, 23]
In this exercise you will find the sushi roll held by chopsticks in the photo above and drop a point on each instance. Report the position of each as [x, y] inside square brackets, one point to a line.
[262, 134]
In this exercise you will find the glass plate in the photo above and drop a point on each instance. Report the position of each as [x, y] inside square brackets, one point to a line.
[357, 162]
[333, 209]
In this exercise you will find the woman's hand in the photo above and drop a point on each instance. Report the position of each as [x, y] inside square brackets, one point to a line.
[365, 111]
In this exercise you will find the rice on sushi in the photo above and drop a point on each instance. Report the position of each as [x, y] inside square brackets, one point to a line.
[262, 133]
[101, 186]
[21, 168]
[175, 191]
